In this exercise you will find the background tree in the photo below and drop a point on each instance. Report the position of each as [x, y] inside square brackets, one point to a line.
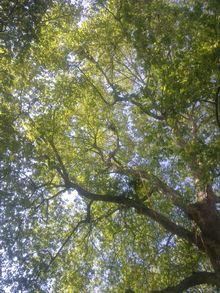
[114, 176]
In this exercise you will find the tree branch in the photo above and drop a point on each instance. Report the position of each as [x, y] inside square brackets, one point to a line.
[145, 110]
[94, 86]
[65, 242]
[92, 59]
[144, 210]
[61, 169]
[137, 204]
[159, 185]
[197, 278]
[67, 239]
[217, 106]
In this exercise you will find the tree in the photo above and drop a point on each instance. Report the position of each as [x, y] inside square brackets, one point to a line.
[112, 184]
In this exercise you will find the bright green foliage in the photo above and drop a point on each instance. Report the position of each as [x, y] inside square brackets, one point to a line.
[107, 117]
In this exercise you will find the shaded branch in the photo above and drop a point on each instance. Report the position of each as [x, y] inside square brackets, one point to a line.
[74, 230]
[197, 278]
[217, 106]
[117, 97]
[111, 126]
[145, 110]
[144, 210]
[130, 65]
[94, 86]
[113, 87]
[86, 220]
[64, 243]
[159, 185]
[61, 169]
[131, 203]
[47, 199]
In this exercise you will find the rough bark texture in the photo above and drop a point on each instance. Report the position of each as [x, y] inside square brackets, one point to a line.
[205, 215]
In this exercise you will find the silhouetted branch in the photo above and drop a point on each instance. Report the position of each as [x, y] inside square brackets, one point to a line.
[144, 210]
[141, 208]
[65, 242]
[61, 169]
[197, 278]
[217, 106]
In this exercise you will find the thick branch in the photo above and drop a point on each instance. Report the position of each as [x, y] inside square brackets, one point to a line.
[197, 278]
[131, 203]
[159, 186]
[144, 210]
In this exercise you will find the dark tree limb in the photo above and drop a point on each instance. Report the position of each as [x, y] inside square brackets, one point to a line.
[47, 199]
[197, 278]
[159, 185]
[146, 111]
[94, 86]
[61, 169]
[139, 206]
[144, 210]
[113, 87]
[67, 239]
[69, 236]
[217, 106]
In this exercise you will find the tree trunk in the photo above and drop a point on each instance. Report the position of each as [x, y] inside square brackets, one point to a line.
[205, 215]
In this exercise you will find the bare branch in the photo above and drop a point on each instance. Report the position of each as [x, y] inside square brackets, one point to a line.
[74, 230]
[92, 59]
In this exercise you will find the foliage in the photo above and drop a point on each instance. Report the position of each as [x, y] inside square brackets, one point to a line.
[110, 146]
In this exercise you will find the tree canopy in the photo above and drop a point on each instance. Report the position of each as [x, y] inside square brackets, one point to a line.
[110, 146]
